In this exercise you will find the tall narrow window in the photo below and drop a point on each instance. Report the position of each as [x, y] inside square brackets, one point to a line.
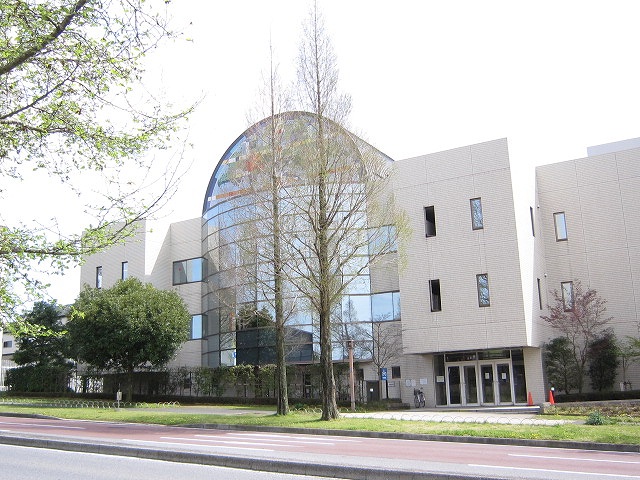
[539, 293]
[567, 295]
[196, 327]
[533, 224]
[434, 288]
[482, 281]
[99, 277]
[561, 226]
[477, 222]
[125, 270]
[430, 221]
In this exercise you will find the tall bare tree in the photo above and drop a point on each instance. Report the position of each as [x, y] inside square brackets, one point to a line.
[342, 227]
[579, 315]
[262, 235]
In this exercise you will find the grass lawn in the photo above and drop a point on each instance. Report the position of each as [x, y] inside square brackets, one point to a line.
[618, 429]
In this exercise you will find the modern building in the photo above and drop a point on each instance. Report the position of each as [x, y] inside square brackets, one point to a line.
[462, 297]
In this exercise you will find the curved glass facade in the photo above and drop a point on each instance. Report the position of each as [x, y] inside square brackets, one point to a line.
[238, 288]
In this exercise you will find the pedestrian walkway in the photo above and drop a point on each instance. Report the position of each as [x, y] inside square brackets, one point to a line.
[505, 415]
[493, 416]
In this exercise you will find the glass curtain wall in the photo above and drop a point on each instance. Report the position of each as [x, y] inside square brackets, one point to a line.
[238, 291]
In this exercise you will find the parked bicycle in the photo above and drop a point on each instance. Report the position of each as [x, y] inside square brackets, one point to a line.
[418, 397]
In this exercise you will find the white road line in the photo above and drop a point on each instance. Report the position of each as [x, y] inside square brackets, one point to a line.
[44, 425]
[554, 471]
[307, 437]
[192, 445]
[573, 459]
[229, 442]
[284, 441]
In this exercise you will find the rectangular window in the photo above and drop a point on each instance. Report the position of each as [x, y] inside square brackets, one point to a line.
[7, 344]
[430, 221]
[188, 271]
[196, 327]
[434, 288]
[477, 222]
[539, 293]
[533, 224]
[560, 223]
[567, 295]
[395, 372]
[125, 270]
[482, 282]
[98, 277]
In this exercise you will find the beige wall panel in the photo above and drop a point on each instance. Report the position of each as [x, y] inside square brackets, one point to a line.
[598, 169]
[628, 164]
[409, 172]
[557, 176]
[630, 198]
[488, 156]
[455, 163]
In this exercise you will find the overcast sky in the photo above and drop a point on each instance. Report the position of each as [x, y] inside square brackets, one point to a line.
[553, 77]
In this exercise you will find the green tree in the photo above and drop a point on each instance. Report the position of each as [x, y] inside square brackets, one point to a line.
[74, 110]
[127, 327]
[579, 315]
[43, 350]
[603, 361]
[560, 365]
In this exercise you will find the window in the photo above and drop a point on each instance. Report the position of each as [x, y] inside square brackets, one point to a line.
[395, 372]
[533, 223]
[125, 270]
[98, 277]
[434, 288]
[196, 327]
[561, 226]
[7, 344]
[477, 222]
[430, 221]
[567, 295]
[482, 281]
[539, 293]
[188, 271]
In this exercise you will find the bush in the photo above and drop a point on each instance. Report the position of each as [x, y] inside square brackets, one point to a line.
[596, 418]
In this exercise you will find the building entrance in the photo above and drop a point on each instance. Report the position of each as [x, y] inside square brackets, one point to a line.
[480, 383]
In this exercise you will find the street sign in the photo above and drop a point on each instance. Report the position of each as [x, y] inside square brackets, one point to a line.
[383, 374]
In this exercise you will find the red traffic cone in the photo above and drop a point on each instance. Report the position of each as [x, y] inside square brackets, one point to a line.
[551, 400]
[530, 400]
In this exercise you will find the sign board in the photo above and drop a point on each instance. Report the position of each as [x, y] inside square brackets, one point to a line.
[383, 374]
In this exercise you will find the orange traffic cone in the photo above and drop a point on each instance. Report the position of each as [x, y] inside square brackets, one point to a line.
[551, 400]
[530, 400]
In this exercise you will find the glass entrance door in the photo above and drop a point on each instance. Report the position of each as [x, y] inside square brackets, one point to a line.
[470, 384]
[462, 383]
[488, 395]
[496, 383]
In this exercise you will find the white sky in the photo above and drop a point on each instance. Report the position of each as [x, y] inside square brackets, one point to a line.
[553, 77]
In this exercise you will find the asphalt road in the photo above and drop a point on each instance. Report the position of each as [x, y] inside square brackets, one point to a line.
[335, 456]
[28, 463]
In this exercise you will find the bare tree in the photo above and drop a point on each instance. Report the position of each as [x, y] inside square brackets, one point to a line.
[342, 226]
[580, 315]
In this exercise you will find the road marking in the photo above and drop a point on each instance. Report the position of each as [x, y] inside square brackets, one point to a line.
[44, 425]
[230, 442]
[308, 438]
[554, 471]
[285, 440]
[573, 458]
[192, 445]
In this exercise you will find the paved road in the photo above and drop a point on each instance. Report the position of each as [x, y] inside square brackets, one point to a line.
[27, 463]
[318, 454]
